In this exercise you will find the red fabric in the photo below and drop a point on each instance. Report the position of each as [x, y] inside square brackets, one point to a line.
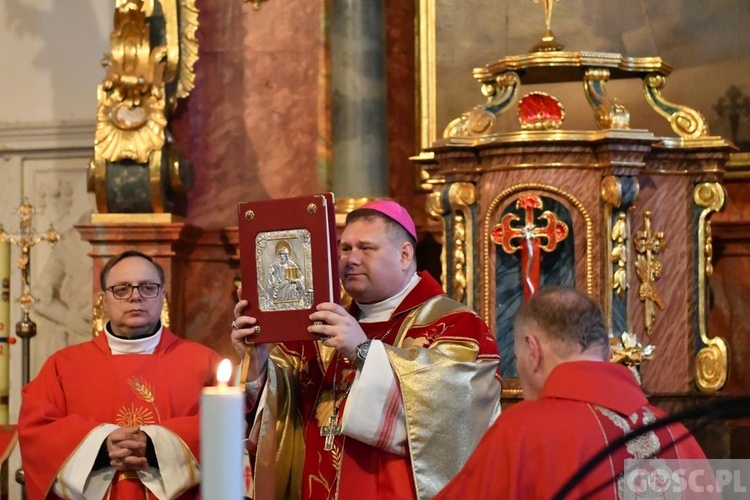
[84, 385]
[535, 447]
[368, 472]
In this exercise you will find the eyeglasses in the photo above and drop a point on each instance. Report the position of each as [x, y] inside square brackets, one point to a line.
[124, 291]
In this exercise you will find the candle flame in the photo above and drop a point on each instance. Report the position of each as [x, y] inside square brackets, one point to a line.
[224, 372]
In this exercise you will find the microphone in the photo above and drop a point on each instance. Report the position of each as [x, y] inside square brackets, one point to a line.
[724, 409]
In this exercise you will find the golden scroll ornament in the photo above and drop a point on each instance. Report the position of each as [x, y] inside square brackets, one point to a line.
[712, 361]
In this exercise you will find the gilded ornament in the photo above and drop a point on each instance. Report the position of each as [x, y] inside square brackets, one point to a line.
[611, 191]
[608, 112]
[130, 114]
[188, 47]
[648, 243]
[459, 258]
[150, 65]
[627, 350]
[712, 361]
[619, 255]
[712, 366]
[436, 210]
[461, 197]
[548, 42]
[685, 122]
[312, 208]
[501, 92]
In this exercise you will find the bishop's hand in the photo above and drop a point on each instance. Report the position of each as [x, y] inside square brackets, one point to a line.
[343, 331]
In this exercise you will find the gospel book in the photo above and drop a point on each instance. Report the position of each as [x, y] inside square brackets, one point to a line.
[288, 263]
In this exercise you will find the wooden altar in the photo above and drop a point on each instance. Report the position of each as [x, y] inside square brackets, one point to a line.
[617, 212]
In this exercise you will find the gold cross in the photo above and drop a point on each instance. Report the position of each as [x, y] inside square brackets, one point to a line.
[330, 431]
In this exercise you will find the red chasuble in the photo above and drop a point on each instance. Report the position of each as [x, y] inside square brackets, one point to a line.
[84, 386]
[535, 447]
[352, 469]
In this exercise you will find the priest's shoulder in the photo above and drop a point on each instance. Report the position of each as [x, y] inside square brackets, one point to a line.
[540, 413]
[174, 343]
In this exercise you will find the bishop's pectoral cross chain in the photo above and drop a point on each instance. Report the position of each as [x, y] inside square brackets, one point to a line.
[333, 428]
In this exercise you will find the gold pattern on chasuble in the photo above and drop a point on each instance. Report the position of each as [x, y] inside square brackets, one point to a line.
[130, 416]
[644, 446]
[320, 478]
[428, 338]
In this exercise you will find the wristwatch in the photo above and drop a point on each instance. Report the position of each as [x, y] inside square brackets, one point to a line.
[362, 350]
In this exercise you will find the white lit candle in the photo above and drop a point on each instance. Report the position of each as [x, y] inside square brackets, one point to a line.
[222, 433]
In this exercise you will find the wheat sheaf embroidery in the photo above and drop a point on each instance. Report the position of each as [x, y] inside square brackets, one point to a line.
[139, 416]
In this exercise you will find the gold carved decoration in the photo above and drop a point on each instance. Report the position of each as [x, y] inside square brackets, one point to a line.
[619, 255]
[436, 210]
[686, 122]
[627, 351]
[488, 306]
[500, 92]
[711, 362]
[612, 197]
[188, 47]
[648, 243]
[131, 114]
[608, 113]
[461, 196]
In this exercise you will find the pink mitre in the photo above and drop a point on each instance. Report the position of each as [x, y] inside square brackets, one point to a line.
[394, 211]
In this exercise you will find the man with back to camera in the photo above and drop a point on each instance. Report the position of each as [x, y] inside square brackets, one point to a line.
[117, 417]
[395, 397]
[576, 403]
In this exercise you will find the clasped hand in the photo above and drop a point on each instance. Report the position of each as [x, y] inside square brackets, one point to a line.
[127, 449]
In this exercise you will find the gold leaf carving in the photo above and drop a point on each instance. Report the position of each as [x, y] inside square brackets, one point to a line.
[188, 47]
[118, 137]
[648, 269]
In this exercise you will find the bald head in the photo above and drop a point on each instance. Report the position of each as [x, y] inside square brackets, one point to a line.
[569, 319]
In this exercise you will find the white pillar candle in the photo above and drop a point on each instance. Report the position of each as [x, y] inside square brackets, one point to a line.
[222, 433]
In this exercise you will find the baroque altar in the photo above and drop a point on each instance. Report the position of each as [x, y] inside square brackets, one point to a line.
[618, 212]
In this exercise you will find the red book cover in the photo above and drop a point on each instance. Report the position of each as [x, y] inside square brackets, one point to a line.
[288, 263]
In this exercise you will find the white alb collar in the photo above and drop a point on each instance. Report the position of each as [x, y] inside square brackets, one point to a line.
[382, 311]
[145, 345]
